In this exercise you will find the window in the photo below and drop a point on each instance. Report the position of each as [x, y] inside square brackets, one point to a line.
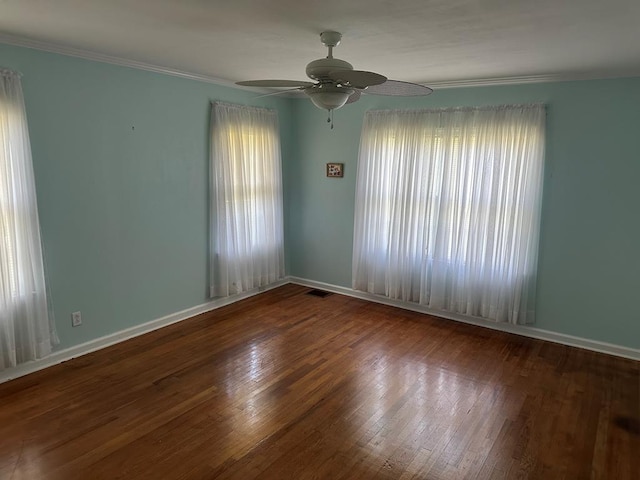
[247, 248]
[26, 328]
[448, 206]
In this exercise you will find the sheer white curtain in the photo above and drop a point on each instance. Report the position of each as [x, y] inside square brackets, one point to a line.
[247, 239]
[26, 332]
[448, 208]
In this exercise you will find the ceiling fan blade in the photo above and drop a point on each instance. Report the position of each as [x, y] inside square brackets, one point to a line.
[281, 92]
[275, 83]
[399, 89]
[357, 78]
[354, 97]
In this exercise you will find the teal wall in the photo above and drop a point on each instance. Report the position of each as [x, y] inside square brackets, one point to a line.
[589, 267]
[121, 165]
[120, 158]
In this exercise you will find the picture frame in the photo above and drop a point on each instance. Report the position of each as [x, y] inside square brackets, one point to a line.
[335, 170]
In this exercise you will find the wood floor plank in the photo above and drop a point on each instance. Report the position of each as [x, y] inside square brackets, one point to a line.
[289, 385]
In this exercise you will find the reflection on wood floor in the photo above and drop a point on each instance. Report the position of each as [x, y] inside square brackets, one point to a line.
[288, 385]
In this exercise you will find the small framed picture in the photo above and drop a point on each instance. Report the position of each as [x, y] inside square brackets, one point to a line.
[335, 169]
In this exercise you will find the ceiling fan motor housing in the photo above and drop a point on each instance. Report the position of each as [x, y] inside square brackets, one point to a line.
[319, 69]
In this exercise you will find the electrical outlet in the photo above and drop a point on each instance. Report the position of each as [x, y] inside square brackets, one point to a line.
[76, 319]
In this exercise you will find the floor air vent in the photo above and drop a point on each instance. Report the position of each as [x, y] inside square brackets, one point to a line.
[319, 293]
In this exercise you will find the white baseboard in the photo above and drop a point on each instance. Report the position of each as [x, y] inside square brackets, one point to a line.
[596, 346]
[111, 339]
[122, 335]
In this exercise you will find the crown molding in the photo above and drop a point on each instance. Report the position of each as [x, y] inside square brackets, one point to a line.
[123, 62]
[546, 78]
[442, 84]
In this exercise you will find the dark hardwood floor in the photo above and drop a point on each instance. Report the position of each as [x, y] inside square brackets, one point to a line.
[288, 385]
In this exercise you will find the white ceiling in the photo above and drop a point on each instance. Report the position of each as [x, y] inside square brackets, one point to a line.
[436, 42]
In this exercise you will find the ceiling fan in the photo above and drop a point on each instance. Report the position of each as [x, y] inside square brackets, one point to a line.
[336, 83]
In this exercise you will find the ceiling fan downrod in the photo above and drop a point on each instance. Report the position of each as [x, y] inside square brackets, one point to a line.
[330, 39]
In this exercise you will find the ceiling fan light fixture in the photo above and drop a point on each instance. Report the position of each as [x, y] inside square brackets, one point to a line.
[328, 96]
